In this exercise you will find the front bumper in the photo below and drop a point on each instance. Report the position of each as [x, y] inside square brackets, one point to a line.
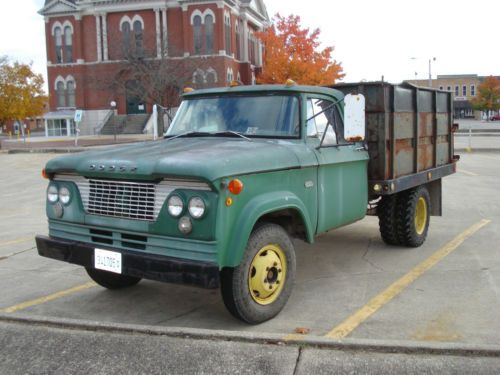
[147, 266]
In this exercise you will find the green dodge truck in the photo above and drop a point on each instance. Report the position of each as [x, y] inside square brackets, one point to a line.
[240, 172]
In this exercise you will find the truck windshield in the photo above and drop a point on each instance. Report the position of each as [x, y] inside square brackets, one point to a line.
[253, 116]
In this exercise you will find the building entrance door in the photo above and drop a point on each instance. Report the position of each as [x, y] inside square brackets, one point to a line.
[135, 104]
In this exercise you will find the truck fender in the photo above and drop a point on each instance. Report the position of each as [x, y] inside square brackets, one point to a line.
[252, 212]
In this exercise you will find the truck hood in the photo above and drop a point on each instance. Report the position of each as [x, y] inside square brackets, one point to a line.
[204, 158]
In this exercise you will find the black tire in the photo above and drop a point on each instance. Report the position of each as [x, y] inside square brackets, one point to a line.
[111, 280]
[244, 303]
[387, 219]
[412, 232]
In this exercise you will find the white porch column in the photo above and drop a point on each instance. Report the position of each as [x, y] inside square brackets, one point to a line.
[98, 35]
[68, 127]
[245, 41]
[105, 36]
[165, 30]
[158, 33]
[46, 122]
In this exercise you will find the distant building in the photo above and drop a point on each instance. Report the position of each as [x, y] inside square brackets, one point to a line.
[463, 86]
[88, 40]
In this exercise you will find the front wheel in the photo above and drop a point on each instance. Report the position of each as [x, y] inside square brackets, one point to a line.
[258, 289]
[111, 280]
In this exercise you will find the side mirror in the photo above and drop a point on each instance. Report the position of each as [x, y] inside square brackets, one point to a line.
[354, 118]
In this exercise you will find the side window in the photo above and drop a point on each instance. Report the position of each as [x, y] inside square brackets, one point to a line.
[322, 116]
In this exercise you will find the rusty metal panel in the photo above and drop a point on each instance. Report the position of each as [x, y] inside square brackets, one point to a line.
[404, 163]
[442, 124]
[408, 128]
[442, 102]
[425, 101]
[403, 125]
[403, 99]
[426, 120]
[442, 153]
[426, 154]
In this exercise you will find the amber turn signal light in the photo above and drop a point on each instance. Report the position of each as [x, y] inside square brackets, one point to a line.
[235, 186]
[45, 174]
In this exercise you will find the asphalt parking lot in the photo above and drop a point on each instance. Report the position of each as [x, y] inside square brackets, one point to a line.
[349, 285]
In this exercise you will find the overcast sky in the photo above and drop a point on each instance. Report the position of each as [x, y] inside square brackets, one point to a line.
[371, 38]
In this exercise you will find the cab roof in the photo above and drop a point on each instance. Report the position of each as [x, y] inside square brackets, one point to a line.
[263, 89]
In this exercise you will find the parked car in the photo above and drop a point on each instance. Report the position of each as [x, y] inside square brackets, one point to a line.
[495, 118]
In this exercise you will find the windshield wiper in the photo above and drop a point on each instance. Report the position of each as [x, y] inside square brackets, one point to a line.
[188, 134]
[230, 132]
[207, 134]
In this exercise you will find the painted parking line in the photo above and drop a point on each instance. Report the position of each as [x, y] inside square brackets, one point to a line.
[16, 241]
[468, 173]
[352, 322]
[50, 297]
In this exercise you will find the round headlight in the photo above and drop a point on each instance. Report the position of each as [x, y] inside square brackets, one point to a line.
[175, 206]
[185, 225]
[196, 207]
[64, 195]
[52, 194]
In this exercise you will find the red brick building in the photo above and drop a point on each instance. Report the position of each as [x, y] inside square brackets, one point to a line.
[89, 40]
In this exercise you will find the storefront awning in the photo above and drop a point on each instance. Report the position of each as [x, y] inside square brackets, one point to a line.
[63, 114]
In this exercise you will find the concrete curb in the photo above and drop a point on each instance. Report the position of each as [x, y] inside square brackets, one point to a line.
[45, 150]
[354, 345]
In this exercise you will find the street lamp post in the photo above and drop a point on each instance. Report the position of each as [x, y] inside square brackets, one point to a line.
[430, 68]
[430, 71]
[113, 107]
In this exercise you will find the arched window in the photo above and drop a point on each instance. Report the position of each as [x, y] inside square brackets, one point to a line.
[209, 34]
[227, 32]
[126, 38]
[230, 75]
[198, 78]
[59, 44]
[61, 95]
[68, 44]
[197, 34]
[70, 88]
[211, 77]
[138, 37]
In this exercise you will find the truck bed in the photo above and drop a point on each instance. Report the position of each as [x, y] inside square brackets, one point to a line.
[409, 132]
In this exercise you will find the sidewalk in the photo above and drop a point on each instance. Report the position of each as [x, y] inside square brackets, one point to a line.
[67, 144]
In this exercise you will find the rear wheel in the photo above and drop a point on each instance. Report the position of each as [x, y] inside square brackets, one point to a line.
[387, 219]
[258, 289]
[413, 210]
[111, 280]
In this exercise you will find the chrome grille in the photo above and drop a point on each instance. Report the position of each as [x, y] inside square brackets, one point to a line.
[121, 199]
[125, 199]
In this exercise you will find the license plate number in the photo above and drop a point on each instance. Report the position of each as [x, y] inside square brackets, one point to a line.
[108, 260]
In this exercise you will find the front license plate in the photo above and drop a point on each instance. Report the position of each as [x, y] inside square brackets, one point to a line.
[108, 260]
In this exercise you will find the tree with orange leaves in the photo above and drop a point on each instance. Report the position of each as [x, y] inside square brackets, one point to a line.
[292, 52]
[488, 98]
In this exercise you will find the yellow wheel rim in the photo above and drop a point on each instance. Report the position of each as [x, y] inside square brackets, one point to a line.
[420, 215]
[267, 274]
